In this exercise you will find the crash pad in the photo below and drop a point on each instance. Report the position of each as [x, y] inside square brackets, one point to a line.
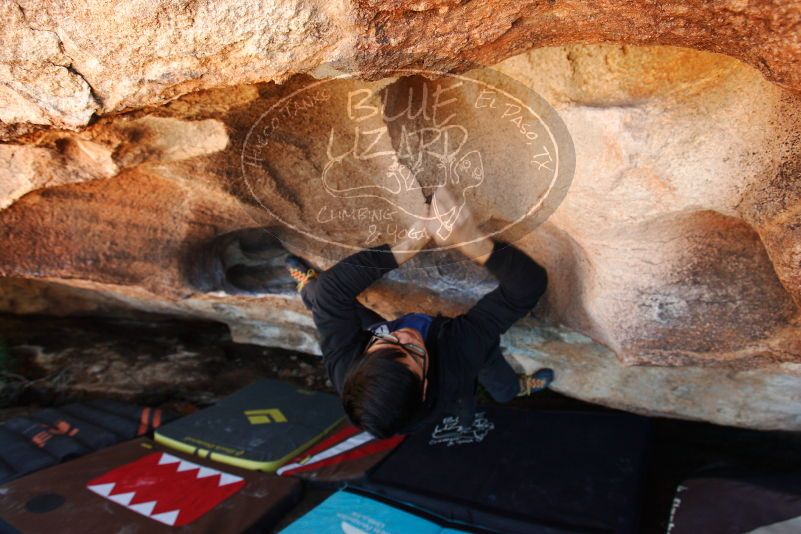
[141, 487]
[345, 453]
[55, 435]
[523, 470]
[351, 512]
[259, 427]
[733, 501]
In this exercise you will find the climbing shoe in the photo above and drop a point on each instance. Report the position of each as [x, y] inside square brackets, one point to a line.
[537, 382]
[300, 271]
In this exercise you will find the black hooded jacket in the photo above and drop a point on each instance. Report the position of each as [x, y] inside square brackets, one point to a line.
[458, 347]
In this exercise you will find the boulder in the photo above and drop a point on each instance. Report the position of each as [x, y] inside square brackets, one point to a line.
[673, 252]
[63, 63]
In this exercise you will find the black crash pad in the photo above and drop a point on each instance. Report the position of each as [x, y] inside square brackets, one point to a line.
[523, 471]
[55, 435]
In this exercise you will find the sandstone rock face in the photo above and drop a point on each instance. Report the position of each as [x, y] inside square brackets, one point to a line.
[674, 257]
[697, 225]
[62, 62]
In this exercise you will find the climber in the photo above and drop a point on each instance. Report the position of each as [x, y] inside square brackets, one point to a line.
[396, 376]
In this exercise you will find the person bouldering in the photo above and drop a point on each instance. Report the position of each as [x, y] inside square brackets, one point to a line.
[395, 376]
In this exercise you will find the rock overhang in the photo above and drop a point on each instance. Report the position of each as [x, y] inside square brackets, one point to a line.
[676, 250]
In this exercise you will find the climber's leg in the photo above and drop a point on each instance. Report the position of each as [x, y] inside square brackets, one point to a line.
[536, 382]
[503, 384]
[498, 378]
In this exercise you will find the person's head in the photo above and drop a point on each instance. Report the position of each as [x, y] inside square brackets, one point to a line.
[385, 388]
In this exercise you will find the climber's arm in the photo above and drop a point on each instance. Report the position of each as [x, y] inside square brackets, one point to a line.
[335, 311]
[339, 286]
[416, 239]
[521, 283]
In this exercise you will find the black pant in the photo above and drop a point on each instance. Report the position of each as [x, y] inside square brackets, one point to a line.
[497, 376]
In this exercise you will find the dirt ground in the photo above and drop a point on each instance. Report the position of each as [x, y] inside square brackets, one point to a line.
[186, 365]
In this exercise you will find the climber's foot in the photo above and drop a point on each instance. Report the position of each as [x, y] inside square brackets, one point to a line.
[300, 271]
[536, 382]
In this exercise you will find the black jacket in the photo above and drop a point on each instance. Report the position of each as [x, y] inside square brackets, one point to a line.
[458, 347]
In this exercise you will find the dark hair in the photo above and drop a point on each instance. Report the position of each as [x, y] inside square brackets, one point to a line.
[380, 394]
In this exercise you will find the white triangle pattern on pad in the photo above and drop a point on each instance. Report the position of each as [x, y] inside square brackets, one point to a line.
[225, 479]
[168, 459]
[168, 518]
[207, 472]
[146, 508]
[187, 466]
[123, 498]
[102, 489]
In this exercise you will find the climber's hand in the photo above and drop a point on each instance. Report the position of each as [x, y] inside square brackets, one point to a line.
[416, 237]
[452, 226]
